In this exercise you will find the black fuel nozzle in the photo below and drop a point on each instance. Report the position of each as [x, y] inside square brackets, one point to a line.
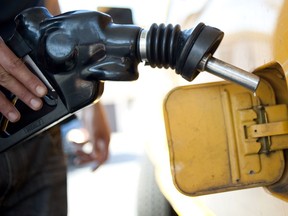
[73, 53]
[190, 52]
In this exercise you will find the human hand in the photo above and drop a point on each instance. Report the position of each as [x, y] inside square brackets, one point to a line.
[95, 122]
[18, 79]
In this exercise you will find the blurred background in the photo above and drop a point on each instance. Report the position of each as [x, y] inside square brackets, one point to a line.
[126, 184]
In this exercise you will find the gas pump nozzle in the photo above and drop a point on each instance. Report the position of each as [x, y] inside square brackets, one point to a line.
[190, 53]
[75, 52]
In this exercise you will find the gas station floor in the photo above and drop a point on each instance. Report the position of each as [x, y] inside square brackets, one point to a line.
[111, 189]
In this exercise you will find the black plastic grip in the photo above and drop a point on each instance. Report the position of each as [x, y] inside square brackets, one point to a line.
[168, 46]
[18, 45]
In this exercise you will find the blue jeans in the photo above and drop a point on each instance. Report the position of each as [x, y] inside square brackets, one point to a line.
[33, 177]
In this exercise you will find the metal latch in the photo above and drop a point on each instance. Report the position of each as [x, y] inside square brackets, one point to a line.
[268, 131]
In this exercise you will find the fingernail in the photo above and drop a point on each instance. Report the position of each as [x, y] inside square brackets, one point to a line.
[36, 103]
[41, 91]
[13, 117]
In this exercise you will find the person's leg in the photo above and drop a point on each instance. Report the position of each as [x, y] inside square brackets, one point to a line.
[33, 177]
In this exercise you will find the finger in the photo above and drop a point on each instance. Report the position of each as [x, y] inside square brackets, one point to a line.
[105, 143]
[16, 67]
[13, 85]
[100, 151]
[82, 157]
[81, 153]
[8, 110]
[95, 166]
[82, 160]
